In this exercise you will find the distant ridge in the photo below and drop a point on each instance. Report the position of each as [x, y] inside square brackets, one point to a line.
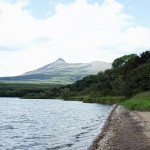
[59, 61]
[60, 72]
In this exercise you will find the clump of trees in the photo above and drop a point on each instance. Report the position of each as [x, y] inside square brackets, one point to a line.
[130, 74]
[28, 90]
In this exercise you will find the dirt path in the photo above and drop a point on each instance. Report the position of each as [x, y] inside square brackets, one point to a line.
[125, 131]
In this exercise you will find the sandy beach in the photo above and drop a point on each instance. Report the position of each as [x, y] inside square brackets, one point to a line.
[124, 130]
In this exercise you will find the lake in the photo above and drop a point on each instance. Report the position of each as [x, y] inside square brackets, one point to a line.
[27, 124]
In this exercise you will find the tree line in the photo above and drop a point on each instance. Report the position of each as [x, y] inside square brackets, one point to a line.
[129, 75]
[27, 90]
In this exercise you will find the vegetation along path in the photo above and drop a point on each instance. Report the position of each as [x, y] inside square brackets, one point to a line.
[125, 130]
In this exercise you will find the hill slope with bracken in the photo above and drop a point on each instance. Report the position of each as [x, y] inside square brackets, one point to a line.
[60, 72]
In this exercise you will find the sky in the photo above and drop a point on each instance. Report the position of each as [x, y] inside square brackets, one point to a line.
[34, 33]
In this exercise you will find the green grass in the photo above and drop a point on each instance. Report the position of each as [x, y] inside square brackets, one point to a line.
[139, 102]
[109, 100]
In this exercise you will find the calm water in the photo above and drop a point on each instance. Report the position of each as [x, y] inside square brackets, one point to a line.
[49, 124]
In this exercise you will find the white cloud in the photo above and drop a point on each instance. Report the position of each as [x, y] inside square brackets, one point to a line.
[78, 31]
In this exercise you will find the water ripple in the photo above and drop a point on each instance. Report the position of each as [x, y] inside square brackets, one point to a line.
[49, 124]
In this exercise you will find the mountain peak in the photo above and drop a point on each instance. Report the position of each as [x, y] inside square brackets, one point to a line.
[59, 61]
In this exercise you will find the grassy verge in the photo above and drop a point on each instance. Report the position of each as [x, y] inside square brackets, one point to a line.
[139, 102]
[109, 100]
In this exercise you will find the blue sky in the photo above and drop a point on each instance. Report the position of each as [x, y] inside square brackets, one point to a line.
[137, 8]
[76, 30]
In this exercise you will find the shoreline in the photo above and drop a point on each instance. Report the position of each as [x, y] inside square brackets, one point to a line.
[100, 136]
[124, 130]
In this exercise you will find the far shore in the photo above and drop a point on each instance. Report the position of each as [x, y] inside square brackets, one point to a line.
[124, 130]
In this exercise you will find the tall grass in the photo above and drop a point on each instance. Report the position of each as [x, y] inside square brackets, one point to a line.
[110, 100]
[139, 102]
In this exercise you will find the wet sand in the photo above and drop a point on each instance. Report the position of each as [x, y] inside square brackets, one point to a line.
[124, 130]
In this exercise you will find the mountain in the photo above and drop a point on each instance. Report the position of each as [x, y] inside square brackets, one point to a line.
[60, 72]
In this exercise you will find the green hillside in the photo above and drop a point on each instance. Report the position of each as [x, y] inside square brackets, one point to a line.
[129, 75]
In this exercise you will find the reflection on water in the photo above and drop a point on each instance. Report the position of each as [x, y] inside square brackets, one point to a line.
[49, 124]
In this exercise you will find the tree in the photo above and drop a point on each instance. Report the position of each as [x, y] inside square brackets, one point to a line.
[145, 57]
[65, 94]
[138, 79]
[121, 61]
